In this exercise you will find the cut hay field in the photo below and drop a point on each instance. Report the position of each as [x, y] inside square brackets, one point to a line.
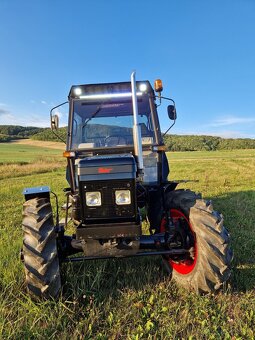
[130, 298]
[45, 144]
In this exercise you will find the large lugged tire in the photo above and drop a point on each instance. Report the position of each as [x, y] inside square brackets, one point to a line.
[209, 266]
[40, 249]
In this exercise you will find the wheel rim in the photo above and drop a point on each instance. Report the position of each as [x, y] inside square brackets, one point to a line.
[186, 265]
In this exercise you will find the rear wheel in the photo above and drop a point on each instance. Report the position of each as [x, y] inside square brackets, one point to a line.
[200, 229]
[40, 249]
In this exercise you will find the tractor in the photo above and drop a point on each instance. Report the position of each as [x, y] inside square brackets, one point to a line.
[117, 173]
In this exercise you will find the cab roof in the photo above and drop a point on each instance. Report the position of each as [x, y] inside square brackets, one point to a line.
[107, 88]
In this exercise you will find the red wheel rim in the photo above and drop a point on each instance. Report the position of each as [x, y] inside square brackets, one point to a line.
[187, 265]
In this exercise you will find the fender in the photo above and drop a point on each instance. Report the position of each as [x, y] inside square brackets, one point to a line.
[43, 191]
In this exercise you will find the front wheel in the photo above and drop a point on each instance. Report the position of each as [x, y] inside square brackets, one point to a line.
[201, 230]
[40, 253]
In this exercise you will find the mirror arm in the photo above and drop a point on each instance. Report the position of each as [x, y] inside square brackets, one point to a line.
[170, 99]
[169, 128]
[54, 133]
[55, 107]
[161, 97]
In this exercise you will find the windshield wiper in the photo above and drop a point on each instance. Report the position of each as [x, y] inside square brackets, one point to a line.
[92, 116]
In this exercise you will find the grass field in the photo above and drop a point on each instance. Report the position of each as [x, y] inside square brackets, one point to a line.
[23, 158]
[130, 298]
[21, 153]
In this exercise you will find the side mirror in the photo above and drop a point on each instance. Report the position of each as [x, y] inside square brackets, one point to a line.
[171, 110]
[54, 122]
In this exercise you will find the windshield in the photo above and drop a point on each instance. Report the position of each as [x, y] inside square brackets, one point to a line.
[109, 123]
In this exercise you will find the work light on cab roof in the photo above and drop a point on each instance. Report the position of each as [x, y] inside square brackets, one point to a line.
[108, 91]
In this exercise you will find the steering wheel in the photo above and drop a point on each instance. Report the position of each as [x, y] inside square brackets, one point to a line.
[112, 140]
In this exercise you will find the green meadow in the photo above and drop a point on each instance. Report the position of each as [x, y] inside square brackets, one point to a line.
[130, 298]
[21, 154]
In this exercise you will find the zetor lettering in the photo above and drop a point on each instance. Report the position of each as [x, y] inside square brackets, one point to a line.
[104, 170]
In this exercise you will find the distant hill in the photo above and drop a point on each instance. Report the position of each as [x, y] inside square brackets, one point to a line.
[173, 142]
[203, 143]
[176, 142]
[47, 135]
[4, 138]
[9, 132]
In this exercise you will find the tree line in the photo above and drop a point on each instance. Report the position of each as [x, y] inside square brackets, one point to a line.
[206, 143]
[19, 131]
[172, 142]
[177, 142]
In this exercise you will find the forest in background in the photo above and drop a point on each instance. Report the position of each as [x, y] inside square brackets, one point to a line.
[11, 132]
[172, 142]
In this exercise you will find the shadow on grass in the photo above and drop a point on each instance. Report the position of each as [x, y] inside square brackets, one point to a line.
[14, 163]
[103, 278]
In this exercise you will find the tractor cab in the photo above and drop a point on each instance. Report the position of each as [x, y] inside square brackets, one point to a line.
[102, 122]
[114, 150]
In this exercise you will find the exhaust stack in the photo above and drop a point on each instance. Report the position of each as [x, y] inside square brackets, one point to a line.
[137, 136]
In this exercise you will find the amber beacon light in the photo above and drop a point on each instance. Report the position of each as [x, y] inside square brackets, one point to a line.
[158, 86]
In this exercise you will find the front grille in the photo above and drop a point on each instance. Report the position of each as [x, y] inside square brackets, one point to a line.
[108, 210]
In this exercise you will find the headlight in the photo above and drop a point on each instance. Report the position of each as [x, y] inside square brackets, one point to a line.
[122, 197]
[93, 198]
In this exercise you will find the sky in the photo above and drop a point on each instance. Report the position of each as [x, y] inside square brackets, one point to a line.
[204, 52]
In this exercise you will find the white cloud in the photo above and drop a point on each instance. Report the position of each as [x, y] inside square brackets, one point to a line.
[30, 119]
[232, 120]
[220, 133]
[43, 102]
[38, 121]
[6, 117]
[4, 112]
[226, 126]
[229, 134]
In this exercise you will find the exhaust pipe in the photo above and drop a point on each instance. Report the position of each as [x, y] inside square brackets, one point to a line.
[137, 136]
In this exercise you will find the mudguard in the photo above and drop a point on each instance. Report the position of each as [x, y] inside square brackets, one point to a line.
[43, 191]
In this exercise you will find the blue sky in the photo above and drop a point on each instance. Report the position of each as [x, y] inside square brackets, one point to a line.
[204, 52]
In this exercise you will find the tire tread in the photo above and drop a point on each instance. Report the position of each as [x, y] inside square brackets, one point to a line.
[40, 249]
[212, 268]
